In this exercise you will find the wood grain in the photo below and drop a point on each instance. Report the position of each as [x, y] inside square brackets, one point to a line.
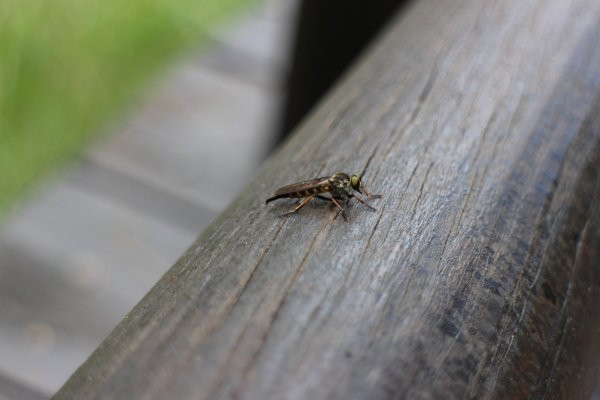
[476, 278]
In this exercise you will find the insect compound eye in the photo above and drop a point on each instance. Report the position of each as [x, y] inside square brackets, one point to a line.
[355, 181]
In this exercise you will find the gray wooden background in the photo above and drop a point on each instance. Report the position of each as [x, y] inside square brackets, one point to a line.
[77, 256]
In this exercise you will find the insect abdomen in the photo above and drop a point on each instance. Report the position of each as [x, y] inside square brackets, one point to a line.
[302, 189]
[307, 192]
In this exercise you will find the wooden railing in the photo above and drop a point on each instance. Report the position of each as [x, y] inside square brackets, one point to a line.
[477, 277]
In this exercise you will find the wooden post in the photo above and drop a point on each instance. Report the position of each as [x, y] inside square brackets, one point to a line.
[329, 37]
[478, 276]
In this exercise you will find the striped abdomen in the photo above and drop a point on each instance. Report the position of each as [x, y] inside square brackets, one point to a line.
[303, 193]
[303, 189]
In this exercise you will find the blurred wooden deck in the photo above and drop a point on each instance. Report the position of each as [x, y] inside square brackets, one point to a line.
[77, 257]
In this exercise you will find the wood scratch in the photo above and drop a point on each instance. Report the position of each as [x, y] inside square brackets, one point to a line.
[412, 174]
[421, 191]
[566, 320]
[464, 207]
[372, 233]
[522, 311]
[433, 73]
[219, 374]
[486, 131]
[276, 312]
[512, 336]
[456, 222]
[259, 261]
[369, 160]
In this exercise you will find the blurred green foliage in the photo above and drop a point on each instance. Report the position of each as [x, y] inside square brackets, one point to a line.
[68, 65]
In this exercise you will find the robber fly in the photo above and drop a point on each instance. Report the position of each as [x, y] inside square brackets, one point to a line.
[341, 187]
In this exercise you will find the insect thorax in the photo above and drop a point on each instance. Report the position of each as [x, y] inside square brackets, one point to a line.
[340, 186]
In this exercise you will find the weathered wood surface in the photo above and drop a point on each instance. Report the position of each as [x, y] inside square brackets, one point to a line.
[476, 278]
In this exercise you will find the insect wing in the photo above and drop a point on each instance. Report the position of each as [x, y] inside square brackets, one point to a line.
[301, 186]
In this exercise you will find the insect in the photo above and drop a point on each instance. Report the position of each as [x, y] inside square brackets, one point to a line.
[341, 187]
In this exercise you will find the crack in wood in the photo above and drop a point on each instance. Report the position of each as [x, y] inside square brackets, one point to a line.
[431, 78]
[219, 375]
[275, 314]
[414, 210]
[562, 331]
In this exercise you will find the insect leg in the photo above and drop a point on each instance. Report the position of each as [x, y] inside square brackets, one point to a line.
[372, 196]
[299, 206]
[341, 209]
[364, 203]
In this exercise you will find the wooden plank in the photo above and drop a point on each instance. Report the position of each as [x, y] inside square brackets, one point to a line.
[476, 278]
[256, 50]
[177, 139]
[146, 197]
[71, 265]
[12, 390]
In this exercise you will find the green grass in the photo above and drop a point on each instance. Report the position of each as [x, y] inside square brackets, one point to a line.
[67, 66]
